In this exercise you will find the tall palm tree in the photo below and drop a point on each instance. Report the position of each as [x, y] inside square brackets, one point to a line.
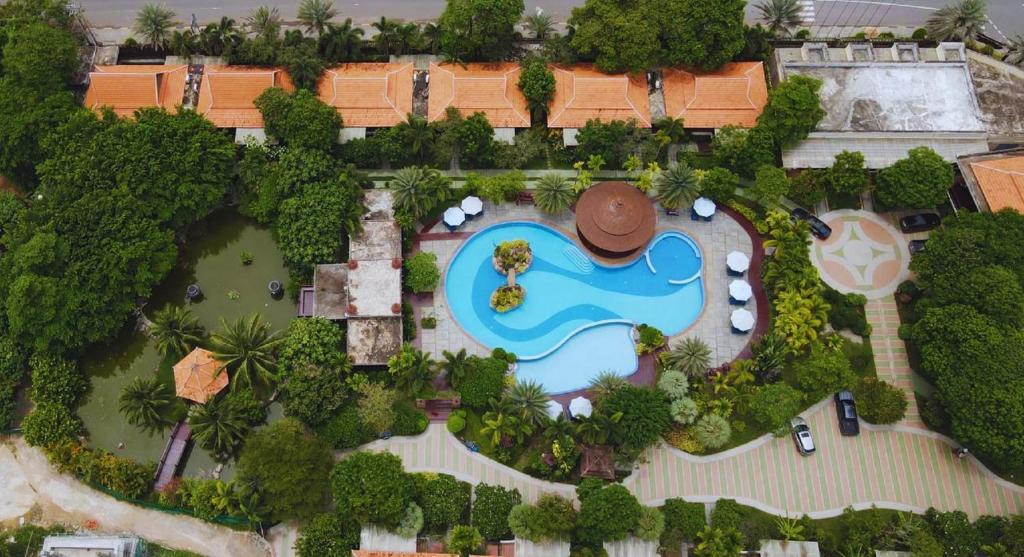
[431, 36]
[218, 426]
[676, 187]
[183, 43]
[780, 15]
[304, 66]
[554, 194]
[176, 331]
[215, 38]
[407, 36]
[596, 429]
[417, 190]
[604, 385]
[385, 37]
[412, 370]
[455, 366]
[143, 403]
[246, 347]
[315, 14]
[539, 24]
[153, 23]
[264, 21]
[1015, 51]
[418, 136]
[690, 355]
[342, 43]
[504, 427]
[558, 428]
[530, 400]
[960, 21]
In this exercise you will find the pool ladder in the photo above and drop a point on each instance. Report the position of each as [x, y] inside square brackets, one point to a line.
[579, 259]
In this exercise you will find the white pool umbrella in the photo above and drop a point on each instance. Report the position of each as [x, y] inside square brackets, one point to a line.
[742, 319]
[554, 409]
[472, 206]
[704, 207]
[740, 290]
[454, 217]
[580, 407]
[737, 261]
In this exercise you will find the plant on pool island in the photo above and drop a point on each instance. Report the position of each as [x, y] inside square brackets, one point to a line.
[774, 405]
[690, 355]
[444, 500]
[879, 402]
[553, 194]
[421, 272]
[507, 298]
[327, 535]
[247, 349]
[372, 488]
[712, 431]
[551, 518]
[376, 407]
[176, 331]
[144, 403]
[676, 187]
[919, 181]
[513, 255]
[412, 370]
[463, 539]
[491, 507]
[607, 514]
[645, 415]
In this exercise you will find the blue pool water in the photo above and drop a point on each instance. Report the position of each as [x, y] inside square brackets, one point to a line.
[567, 291]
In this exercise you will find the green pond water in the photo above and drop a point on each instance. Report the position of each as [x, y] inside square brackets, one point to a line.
[210, 258]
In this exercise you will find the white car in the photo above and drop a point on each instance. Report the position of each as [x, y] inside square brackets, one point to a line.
[802, 436]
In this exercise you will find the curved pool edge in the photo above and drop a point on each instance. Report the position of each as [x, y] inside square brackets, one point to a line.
[571, 334]
[622, 359]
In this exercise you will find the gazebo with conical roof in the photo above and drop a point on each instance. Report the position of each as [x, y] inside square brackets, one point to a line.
[198, 376]
[614, 219]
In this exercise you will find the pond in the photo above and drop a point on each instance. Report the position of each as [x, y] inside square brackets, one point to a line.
[212, 259]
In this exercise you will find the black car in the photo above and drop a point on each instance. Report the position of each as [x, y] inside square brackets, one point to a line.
[818, 227]
[846, 412]
[921, 222]
[916, 246]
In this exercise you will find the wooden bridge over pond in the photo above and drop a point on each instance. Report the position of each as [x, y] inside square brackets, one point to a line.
[173, 456]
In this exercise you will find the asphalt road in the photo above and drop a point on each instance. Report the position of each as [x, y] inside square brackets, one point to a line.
[1007, 15]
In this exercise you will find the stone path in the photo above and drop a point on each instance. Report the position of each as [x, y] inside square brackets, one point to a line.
[891, 361]
[28, 484]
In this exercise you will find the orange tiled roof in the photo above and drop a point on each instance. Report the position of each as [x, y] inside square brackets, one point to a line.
[489, 88]
[733, 95]
[227, 94]
[126, 89]
[362, 553]
[1001, 181]
[582, 93]
[369, 95]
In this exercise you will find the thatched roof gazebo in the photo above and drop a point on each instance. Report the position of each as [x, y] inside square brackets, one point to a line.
[198, 376]
[615, 220]
[597, 462]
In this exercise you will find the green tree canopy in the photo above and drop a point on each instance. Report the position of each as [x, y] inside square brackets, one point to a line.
[491, 506]
[607, 514]
[919, 181]
[793, 110]
[699, 34]
[538, 85]
[823, 371]
[774, 405]
[299, 119]
[372, 488]
[848, 175]
[312, 223]
[479, 30]
[770, 184]
[616, 35]
[645, 415]
[40, 58]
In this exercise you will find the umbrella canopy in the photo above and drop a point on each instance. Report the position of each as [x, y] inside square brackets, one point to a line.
[740, 290]
[580, 407]
[454, 216]
[742, 319]
[196, 376]
[737, 261]
[472, 206]
[704, 207]
[554, 409]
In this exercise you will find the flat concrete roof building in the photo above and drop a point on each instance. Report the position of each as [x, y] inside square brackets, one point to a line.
[885, 101]
[92, 546]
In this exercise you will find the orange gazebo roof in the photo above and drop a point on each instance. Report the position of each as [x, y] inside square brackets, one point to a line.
[198, 376]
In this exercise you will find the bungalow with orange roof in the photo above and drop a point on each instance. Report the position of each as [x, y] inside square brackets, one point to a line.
[995, 180]
[582, 93]
[734, 95]
[371, 95]
[492, 89]
[228, 93]
[125, 89]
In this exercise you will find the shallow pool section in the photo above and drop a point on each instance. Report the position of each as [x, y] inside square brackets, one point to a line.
[606, 346]
[566, 291]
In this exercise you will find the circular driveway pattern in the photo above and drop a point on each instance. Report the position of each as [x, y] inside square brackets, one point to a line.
[865, 254]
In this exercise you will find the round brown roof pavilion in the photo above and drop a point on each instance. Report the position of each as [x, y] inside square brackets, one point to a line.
[614, 219]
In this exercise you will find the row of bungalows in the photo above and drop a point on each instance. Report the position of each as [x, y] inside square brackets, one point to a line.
[380, 95]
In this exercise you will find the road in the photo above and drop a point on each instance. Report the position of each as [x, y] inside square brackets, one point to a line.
[1008, 15]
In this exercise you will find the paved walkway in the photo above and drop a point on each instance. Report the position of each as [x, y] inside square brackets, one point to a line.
[891, 361]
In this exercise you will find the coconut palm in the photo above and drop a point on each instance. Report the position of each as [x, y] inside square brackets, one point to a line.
[215, 38]
[690, 355]
[412, 369]
[341, 43]
[558, 428]
[530, 400]
[143, 403]
[406, 37]
[554, 194]
[246, 347]
[604, 385]
[183, 43]
[431, 35]
[455, 366]
[304, 66]
[539, 24]
[501, 427]
[959, 22]
[1015, 51]
[153, 23]
[676, 186]
[385, 38]
[596, 429]
[264, 21]
[780, 15]
[417, 136]
[417, 190]
[218, 426]
[315, 14]
[176, 331]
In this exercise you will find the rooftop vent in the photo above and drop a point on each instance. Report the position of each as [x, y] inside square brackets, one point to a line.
[905, 52]
[860, 52]
[814, 52]
[951, 52]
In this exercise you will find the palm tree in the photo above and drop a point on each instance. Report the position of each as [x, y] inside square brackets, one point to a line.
[690, 355]
[417, 190]
[1015, 51]
[604, 385]
[596, 429]
[143, 403]
[431, 35]
[176, 331]
[530, 400]
[504, 427]
[341, 43]
[455, 366]
[412, 370]
[218, 426]
[676, 186]
[246, 347]
[960, 21]
[780, 15]
[264, 21]
[385, 37]
[153, 23]
[558, 428]
[554, 194]
[183, 43]
[220, 36]
[304, 66]
[406, 37]
[315, 14]
[539, 24]
[417, 135]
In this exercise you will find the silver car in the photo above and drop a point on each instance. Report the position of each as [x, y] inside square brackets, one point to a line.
[802, 436]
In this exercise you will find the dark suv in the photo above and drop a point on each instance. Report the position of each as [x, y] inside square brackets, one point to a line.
[921, 222]
[818, 227]
[846, 412]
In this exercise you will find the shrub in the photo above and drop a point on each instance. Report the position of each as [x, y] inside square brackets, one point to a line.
[455, 424]
[412, 522]
[345, 430]
[607, 514]
[879, 402]
[56, 381]
[552, 518]
[919, 34]
[773, 406]
[770, 184]
[49, 423]
[727, 514]
[847, 312]
[712, 431]
[376, 407]
[491, 508]
[684, 411]
[933, 413]
[409, 420]
[683, 439]
[463, 539]
[485, 379]
[645, 415]
[919, 181]
[313, 394]
[327, 535]
[498, 189]
[683, 521]
[719, 184]
[372, 488]
[122, 475]
[823, 372]
[408, 322]
[675, 384]
[428, 322]
[421, 272]
[807, 188]
[507, 298]
[650, 525]
[444, 500]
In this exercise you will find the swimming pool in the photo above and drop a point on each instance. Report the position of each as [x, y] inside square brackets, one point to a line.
[567, 291]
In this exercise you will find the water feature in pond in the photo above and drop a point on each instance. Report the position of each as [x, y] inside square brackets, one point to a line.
[211, 258]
